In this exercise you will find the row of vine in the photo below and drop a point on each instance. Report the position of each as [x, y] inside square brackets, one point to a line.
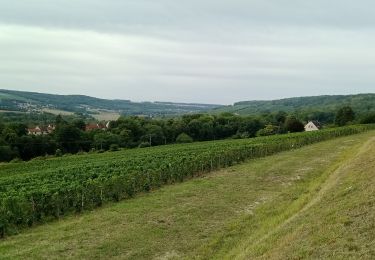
[39, 191]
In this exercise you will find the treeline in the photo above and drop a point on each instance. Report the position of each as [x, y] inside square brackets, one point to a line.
[322, 108]
[130, 132]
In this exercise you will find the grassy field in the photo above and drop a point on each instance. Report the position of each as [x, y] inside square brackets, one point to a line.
[338, 223]
[314, 202]
[105, 115]
[57, 111]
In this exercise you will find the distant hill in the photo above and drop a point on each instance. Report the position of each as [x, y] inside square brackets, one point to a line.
[21, 101]
[320, 108]
[361, 103]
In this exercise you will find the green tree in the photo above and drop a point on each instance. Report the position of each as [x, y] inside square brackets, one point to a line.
[154, 135]
[126, 137]
[250, 126]
[194, 128]
[69, 138]
[2, 126]
[10, 136]
[292, 124]
[59, 121]
[6, 153]
[280, 117]
[268, 130]
[368, 119]
[129, 123]
[103, 140]
[344, 115]
[18, 128]
[80, 124]
[173, 128]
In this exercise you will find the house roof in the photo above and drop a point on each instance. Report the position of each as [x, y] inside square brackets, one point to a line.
[40, 129]
[36, 129]
[316, 123]
[94, 127]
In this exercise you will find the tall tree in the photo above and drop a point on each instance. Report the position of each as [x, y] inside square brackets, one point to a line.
[69, 138]
[344, 115]
[154, 135]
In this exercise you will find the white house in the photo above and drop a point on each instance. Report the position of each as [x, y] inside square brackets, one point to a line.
[313, 126]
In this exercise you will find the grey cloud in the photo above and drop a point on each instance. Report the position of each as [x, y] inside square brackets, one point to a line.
[120, 14]
[194, 51]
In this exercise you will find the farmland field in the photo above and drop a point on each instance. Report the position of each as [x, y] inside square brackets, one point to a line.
[322, 193]
[38, 191]
[57, 111]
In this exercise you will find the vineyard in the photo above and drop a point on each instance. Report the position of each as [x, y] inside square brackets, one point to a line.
[41, 190]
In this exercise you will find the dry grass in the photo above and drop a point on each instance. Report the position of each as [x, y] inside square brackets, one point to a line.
[106, 115]
[57, 112]
[337, 224]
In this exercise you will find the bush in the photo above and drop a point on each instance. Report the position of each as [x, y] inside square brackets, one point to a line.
[144, 144]
[114, 147]
[241, 135]
[39, 158]
[293, 125]
[6, 153]
[184, 138]
[58, 153]
[268, 130]
[368, 119]
[16, 160]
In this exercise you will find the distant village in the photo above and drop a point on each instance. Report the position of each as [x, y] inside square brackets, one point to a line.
[45, 130]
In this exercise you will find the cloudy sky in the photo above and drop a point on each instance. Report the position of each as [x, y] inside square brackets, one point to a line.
[207, 51]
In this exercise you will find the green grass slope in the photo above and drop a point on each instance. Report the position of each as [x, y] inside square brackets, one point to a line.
[337, 224]
[314, 202]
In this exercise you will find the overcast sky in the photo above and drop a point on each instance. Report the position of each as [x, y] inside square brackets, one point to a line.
[211, 51]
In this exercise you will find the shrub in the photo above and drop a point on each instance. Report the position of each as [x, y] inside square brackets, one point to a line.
[368, 119]
[114, 147]
[144, 144]
[293, 125]
[58, 153]
[16, 160]
[6, 153]
[184, 138]
[268, 130]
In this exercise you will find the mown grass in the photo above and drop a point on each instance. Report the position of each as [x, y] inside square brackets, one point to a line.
[340, 225]
[219, 215]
